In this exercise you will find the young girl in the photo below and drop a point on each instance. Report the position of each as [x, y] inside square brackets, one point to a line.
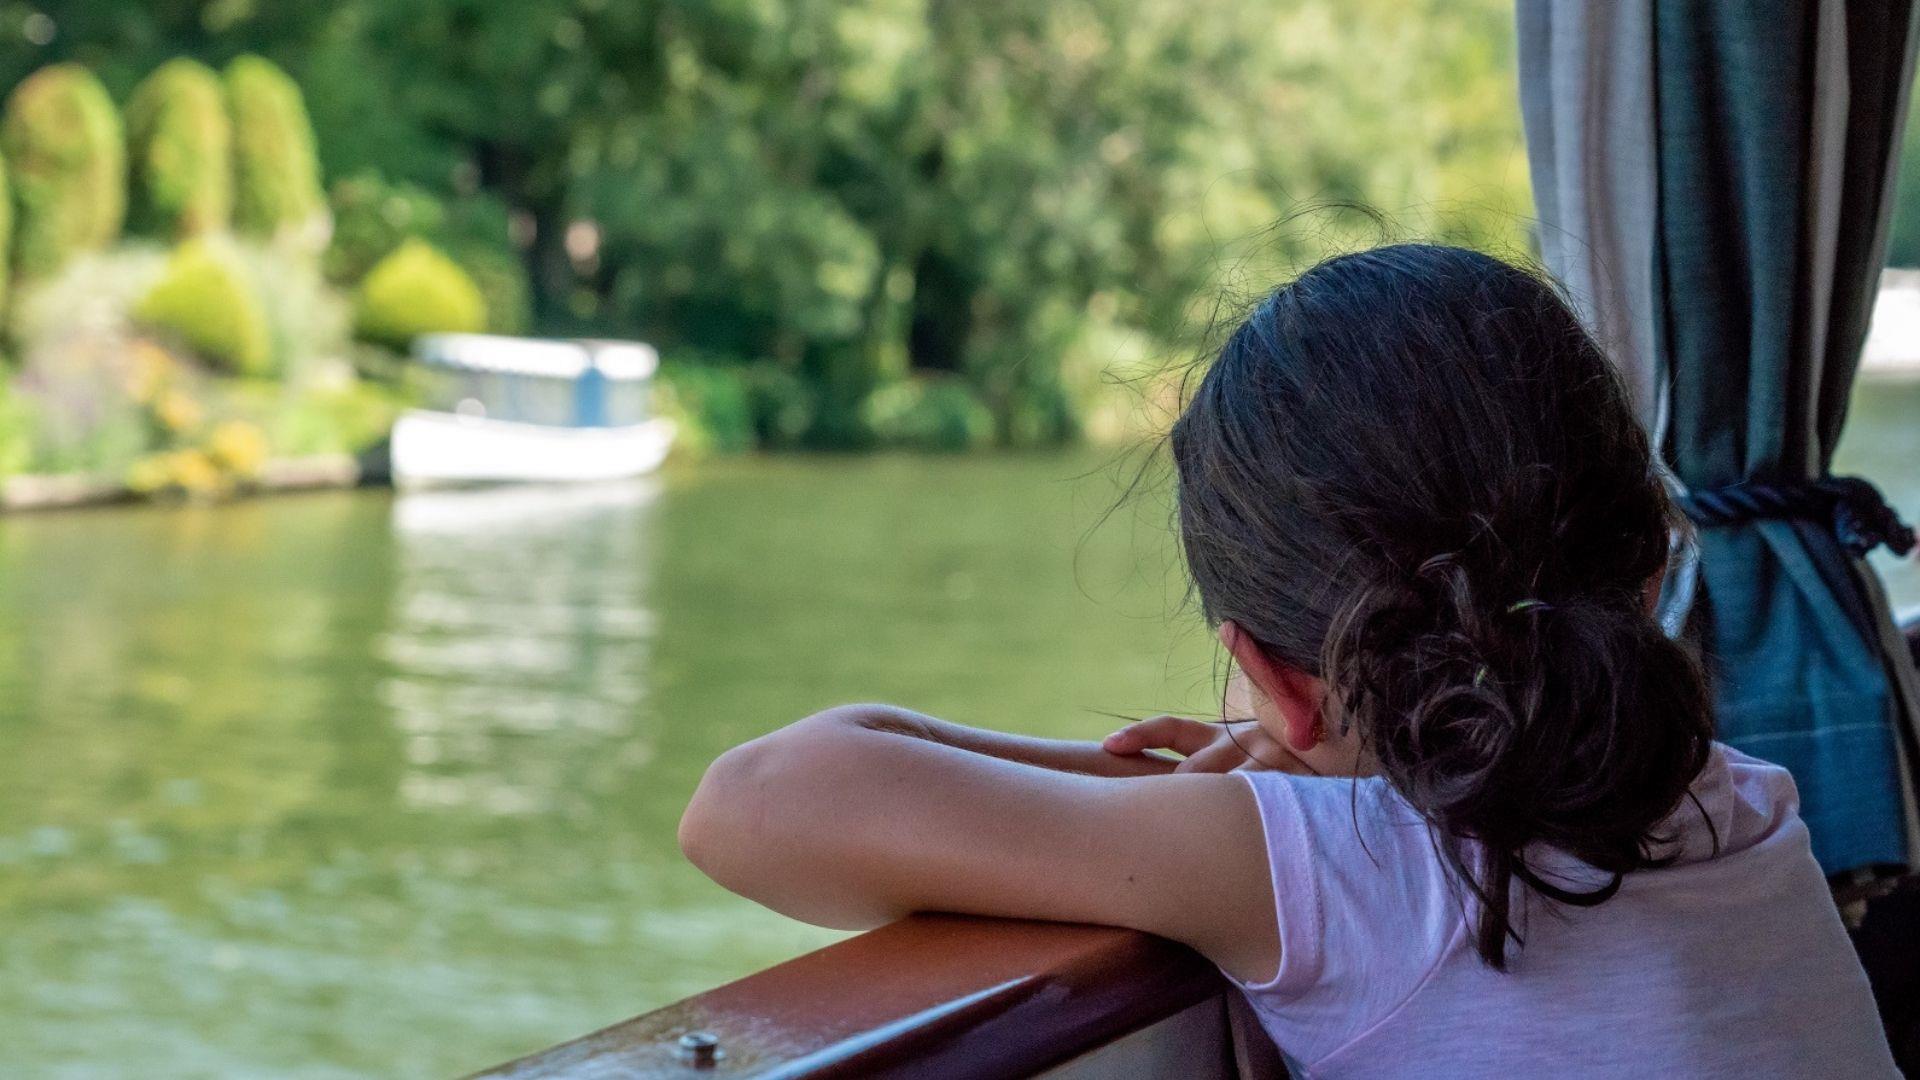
[1475, 822]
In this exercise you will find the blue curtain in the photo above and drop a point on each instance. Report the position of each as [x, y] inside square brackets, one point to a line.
[1749, 241]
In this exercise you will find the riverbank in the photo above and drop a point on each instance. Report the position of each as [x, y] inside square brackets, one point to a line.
[76, 490]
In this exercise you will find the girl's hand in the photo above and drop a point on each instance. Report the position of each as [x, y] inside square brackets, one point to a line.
[1217, 747]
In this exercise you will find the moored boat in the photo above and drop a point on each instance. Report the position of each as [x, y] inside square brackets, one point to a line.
[527, 410]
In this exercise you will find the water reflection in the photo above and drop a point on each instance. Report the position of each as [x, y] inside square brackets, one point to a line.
[518, 613]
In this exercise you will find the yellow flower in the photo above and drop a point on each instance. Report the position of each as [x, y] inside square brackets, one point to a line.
[238, 447]
[149, 369]
[195, 473]
[149, 474]
[177, 411]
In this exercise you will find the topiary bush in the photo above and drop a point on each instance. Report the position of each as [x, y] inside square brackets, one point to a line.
[181, 145]
[277, 191]
[203, 299]
[941, 415]
[62, 138]
[417, 290]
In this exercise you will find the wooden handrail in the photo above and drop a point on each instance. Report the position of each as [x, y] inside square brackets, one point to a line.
[931, 997]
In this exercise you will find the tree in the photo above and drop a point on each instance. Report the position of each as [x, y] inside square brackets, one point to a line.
[853, 190]
[181, 145]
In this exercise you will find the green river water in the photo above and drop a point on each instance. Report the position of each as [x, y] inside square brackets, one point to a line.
[362, 785]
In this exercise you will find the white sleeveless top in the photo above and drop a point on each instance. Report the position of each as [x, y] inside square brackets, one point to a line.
[1732, 964]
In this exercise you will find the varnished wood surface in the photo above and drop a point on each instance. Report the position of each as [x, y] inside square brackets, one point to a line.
[930, 997]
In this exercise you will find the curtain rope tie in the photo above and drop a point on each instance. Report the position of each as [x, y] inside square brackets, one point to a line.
[1849, 505]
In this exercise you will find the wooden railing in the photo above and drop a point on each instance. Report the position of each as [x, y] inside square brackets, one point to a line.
[939, 996]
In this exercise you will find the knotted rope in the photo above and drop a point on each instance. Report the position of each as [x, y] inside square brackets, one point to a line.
[1852, 507]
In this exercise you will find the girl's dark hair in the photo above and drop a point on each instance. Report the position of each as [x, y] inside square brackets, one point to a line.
[1413, 474]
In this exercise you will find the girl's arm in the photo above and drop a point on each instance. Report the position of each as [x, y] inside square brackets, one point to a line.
[1063, 755]
[859, 815]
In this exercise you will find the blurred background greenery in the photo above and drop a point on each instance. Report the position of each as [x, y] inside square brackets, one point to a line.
[893, 222]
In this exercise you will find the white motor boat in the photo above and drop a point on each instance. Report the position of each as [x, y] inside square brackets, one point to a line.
[529, 410]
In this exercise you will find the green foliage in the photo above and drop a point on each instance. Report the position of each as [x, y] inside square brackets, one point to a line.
[276, 170]
[63, 142]
[709, 404]
[417, 290]
[858, 189]
[724, 407]
[1903, 234]
[205, 301]
[371, 217]
[782, 404]
[329, 418]
[502, 281]
[311, 319]
[181, 144]
[854, 192]
[6, 236]
[17, 424]
[929, 414]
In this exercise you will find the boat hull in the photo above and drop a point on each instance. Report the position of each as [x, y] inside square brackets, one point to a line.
[436, 448]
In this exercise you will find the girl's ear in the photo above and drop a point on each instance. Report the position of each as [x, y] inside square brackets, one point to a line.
[1295, 695]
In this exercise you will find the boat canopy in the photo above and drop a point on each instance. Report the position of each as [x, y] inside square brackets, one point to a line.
[617, 361]
[553, 383]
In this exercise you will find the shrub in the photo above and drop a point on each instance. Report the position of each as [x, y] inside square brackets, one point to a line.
[782, 405]
[276, 170]
[1039, 414]
[929, 414]
[417, 290]
[181, 144]
[310, 320]
[709, 403]
[62, 138]
[204, 300]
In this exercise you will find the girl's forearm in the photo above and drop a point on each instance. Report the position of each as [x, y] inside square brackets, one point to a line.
[857, 815]
[1061, 755]
[805, 819]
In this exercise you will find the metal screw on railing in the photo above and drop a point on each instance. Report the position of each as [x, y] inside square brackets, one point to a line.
[701, 1049]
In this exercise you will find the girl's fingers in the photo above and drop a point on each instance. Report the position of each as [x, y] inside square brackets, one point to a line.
[1222, 756]
[1265, 752]
[1176, 733]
